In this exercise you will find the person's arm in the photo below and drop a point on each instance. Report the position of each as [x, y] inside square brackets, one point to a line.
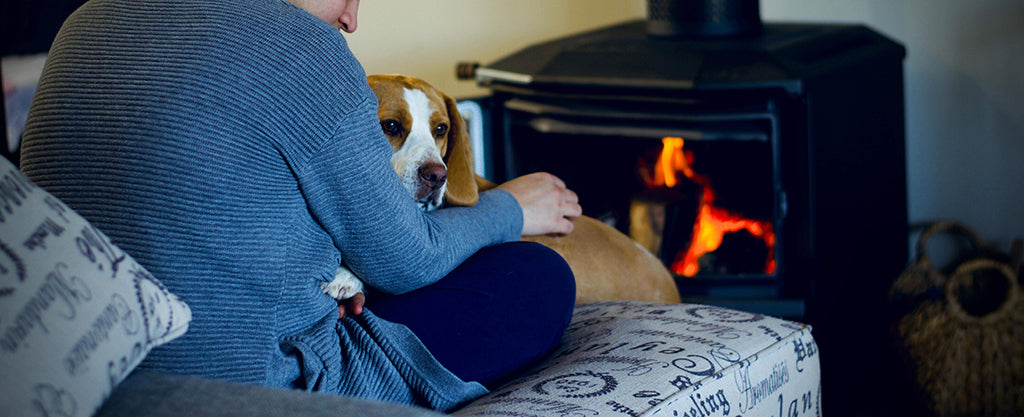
[384, 238]
[552, 208]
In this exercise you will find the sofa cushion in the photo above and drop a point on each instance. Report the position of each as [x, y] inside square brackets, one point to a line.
[77, 314]
[630, 358]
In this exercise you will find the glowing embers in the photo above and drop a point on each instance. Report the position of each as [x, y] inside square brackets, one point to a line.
[672, 183]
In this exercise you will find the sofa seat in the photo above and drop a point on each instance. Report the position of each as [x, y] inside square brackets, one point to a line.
[616, 359]
[678, 360]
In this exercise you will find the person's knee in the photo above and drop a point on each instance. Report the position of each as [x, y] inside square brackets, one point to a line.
[543, 268]
[530, 278]
[554, 288]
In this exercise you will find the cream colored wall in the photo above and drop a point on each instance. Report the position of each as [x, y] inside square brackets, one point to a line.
[427, 38]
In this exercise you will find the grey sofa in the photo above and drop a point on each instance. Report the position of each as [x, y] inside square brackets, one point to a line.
[617, 358]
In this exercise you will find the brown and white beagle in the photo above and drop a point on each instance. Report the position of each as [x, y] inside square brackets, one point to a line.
[432, 156]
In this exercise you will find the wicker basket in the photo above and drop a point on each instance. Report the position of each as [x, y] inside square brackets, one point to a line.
[964, 340]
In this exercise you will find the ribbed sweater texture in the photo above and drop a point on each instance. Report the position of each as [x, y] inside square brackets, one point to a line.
[232, 147]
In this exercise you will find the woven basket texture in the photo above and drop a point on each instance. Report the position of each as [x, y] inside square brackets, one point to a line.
[964, 337]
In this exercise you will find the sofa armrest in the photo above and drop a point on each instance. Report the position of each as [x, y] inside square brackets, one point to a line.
[156, 394]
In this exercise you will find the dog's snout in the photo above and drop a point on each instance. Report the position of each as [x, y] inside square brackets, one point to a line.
[433, 175]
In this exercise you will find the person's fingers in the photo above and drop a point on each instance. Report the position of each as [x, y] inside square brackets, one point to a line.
[573, 198]
[573, 211]
[357, 303]
[354, 304]
[564, 227]
[558, 182]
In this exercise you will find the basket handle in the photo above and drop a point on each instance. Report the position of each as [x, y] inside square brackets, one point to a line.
[942, 227]
[1016, 254]
[964, 273]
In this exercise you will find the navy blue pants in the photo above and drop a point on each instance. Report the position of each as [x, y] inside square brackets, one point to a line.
[500, 312]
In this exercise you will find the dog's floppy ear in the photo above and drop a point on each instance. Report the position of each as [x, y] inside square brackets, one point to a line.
[462, 186]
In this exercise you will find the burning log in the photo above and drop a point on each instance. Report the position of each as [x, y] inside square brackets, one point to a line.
[651, 209]
[679, 197]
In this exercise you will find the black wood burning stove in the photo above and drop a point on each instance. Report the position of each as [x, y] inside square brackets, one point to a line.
[796, 129]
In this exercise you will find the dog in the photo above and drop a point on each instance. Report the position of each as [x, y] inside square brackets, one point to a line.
[432, 156]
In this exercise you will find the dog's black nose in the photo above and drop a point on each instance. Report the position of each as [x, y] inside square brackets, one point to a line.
[433, 175]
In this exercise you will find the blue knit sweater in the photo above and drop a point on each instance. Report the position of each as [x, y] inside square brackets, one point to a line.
[233, 148]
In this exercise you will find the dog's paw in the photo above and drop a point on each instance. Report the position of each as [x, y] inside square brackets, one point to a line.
[345, 285]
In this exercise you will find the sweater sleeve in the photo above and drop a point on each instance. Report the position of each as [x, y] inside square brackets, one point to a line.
[383, 237]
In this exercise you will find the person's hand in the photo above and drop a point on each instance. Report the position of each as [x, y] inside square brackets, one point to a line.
[354, 305]
[548, 207]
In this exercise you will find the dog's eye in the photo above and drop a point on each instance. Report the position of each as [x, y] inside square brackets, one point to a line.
[391, 127]
[440, 130]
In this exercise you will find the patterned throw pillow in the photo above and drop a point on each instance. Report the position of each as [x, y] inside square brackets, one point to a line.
[673, 360]
[77, 314]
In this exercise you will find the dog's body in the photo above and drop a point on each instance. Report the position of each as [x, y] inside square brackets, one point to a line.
[433, 158]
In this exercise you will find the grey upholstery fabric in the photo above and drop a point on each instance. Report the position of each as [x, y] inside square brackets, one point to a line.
[155, 394]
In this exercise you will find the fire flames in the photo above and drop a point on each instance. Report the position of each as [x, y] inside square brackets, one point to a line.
[712, 222]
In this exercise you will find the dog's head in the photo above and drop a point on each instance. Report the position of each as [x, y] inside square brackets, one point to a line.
[429, 139]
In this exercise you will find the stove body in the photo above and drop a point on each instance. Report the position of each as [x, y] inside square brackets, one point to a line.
[799, 126]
